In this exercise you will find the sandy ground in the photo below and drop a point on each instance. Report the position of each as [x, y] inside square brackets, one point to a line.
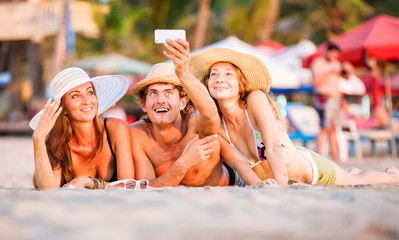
[296, 212]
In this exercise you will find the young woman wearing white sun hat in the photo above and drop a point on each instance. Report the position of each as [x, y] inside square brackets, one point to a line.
[72, 146]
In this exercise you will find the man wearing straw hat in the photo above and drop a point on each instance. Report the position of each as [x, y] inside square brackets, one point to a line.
[170, 145]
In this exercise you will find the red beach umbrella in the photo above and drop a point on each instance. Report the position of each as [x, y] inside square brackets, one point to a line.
[378, 37]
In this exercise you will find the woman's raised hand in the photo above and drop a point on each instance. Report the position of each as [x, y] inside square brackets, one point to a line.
[50, 114]
[179, 53]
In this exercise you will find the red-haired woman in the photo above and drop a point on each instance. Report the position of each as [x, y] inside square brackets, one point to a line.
[253, 125]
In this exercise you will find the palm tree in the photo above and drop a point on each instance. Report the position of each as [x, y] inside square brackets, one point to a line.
[202, 20]
[266, 26]
[319, 19]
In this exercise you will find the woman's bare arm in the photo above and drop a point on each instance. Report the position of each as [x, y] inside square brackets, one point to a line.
[207, 117]
[121, 143]
[45, 177]
[234, 159]
[261, 110]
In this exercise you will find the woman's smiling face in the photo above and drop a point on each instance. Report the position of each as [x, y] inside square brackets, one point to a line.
[80, 103]
[223, 83]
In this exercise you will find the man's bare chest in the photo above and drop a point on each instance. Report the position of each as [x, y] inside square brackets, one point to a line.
[164, 157]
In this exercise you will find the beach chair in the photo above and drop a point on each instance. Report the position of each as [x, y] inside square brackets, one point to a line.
[304, 120]
[356, 135]
[375, 135]
[349, 130]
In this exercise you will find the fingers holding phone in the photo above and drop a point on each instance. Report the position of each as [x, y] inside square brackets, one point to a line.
[178, 49]
[179, 52]
[161, 35]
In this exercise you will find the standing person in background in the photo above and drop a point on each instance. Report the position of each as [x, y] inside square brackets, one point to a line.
[326, 71]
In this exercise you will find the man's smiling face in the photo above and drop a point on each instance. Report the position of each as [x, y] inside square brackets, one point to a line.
[163, 103]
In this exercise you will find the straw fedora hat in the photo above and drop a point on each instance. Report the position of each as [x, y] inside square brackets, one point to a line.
[253, 68]
[159, 73]
[109, 89]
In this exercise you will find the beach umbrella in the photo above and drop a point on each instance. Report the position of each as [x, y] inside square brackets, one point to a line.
[113, 64]
[377, 38]
[270, 47]
[292, 56]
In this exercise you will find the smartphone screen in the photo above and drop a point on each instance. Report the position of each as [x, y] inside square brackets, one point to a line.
[162, 34]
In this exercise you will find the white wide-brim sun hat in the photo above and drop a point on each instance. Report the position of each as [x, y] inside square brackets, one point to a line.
[109, 89]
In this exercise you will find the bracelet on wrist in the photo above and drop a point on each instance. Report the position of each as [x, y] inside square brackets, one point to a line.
[102, 183]
[94, 181]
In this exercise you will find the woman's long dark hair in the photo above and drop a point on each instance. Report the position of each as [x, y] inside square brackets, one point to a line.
[57, 144]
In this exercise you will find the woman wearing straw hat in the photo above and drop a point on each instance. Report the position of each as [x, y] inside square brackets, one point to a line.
[72, 146]
[252, 124]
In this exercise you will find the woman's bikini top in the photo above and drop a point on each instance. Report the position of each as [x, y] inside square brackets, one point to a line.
[259, 146]
[114, 176]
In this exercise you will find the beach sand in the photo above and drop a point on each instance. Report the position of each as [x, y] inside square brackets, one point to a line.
[299, 211]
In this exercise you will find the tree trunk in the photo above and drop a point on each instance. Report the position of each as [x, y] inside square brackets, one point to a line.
[36, 69]
[60, 50]
[14, 88]
[4, 46]
[202, 24]
[266, 28]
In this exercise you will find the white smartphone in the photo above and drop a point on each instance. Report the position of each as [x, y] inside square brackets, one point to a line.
[162, 34]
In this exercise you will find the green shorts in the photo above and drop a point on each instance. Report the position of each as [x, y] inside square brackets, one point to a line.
[326, 173]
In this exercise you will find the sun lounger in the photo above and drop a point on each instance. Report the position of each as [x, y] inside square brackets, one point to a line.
[305, 120]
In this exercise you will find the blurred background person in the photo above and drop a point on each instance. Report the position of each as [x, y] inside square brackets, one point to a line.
[326, 72]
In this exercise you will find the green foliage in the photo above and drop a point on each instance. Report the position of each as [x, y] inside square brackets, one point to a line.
[324, 19]
[129, 26]
[389, 7]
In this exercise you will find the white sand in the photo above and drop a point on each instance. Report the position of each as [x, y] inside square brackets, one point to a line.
[296, 212]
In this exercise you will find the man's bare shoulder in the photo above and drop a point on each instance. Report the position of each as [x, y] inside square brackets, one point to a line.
[139, 128]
